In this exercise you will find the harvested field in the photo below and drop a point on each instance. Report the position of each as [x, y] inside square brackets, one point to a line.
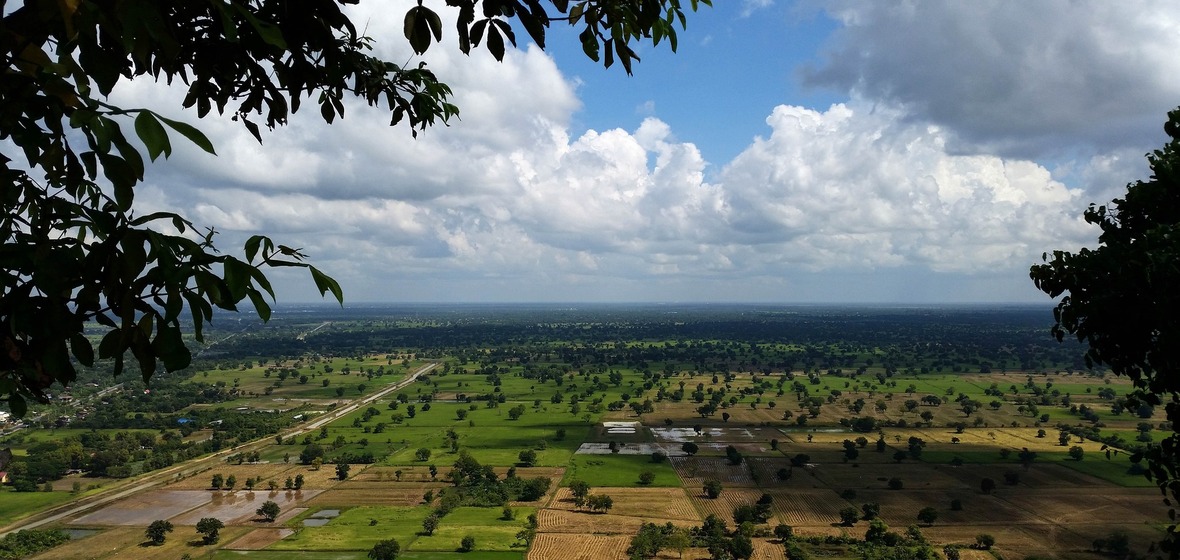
[1067, 507]
[694, 471]
[266, 471]
[141, 509]
[659, 503]
[807, 507]
[581, 523]
[396, 496]
[765, 469]
[259, 539]
[1013, 540]
[730, 498]
[123, 543]
[560, 546]
[1043, 475]
[1017, 438]
[766, 549]
[239, 508]
[914, 475]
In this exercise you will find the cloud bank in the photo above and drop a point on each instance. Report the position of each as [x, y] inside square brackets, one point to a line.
[901, 193]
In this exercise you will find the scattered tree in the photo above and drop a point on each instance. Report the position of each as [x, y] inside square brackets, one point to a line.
[928, 515]
[210, 529]
[387, 549]
[157, 532]
[269, 511]
[712, 489]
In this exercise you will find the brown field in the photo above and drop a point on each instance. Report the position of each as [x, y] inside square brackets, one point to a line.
[915, 476]
[583, 523]
[124, 543]
[807, 507]
[694, 471]
[258, 539]
[141, 509]
[1045, 475]
[766, 549]
[560, 546]
[395, 496]
[1078, 506]
[239, 508]
[730, 498]
[661, 503]
[321, 479]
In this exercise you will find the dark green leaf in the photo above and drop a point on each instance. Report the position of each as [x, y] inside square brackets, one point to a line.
[189, 131]
[325, 284]
[153, 135]
[17, 405]
[83, 351]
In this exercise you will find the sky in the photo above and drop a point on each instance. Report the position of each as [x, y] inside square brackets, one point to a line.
[815, 151]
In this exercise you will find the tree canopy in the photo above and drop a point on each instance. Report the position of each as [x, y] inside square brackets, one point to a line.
[1120, 298]
[74, 250]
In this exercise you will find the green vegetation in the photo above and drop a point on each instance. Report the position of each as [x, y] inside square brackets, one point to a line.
[880, 413]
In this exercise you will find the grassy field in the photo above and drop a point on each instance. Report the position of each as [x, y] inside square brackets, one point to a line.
[961, 449]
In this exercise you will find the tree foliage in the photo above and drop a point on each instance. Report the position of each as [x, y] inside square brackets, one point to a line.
[385, 550]
[73, 248]
[210, 529]
[1119, 298]
[157, 531]
[269, 510]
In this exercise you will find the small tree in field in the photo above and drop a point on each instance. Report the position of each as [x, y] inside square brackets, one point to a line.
[647, 477]
[928, 515]
[985, 541]
[849, 516]
[342, 471]
[467, 544]
[210, 529]
[385, 550]
[158, 531]
[712, 489]
[269, 510]
[430, 524]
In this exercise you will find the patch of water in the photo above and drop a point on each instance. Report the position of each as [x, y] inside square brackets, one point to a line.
[326, 514]
[76, 534]
[315, 522]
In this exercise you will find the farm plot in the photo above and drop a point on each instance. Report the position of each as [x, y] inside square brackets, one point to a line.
[123, 543]
[661, 503]
[766, 549]
[581, 523]
[355, 529]
[978, 509]
[261, 471]
[913, 476]
[1063, 506]
[694, 471]
[240, 507]
[724, 504]
[807, 507]
[141, 509]
[765, 470]
[259, 539]
[1037, 476]
[900, 508]
[491, 531]
[400, 495]
[564, 546]
[1042, 541]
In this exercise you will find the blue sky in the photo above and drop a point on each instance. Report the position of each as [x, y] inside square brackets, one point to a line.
[820, 151]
